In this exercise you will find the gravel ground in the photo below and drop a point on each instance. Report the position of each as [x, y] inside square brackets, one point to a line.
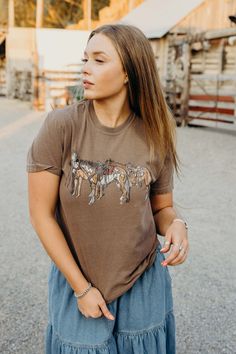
[204, 287]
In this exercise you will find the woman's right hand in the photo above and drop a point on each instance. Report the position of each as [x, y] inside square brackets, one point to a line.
[93, 305]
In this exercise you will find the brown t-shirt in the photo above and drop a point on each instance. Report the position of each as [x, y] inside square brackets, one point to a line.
[103, 207]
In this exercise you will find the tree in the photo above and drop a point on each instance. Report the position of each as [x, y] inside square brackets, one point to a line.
[98, 5]
[3, 13]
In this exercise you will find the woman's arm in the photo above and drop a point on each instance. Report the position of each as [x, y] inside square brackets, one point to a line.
[175, 233]
[163, 211]
[43, 193]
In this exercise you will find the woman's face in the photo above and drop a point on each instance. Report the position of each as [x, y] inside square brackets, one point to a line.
[103, 69]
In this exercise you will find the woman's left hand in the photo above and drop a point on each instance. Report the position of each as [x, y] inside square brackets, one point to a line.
[176, 239]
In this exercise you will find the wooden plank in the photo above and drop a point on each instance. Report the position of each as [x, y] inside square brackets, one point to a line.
[62, 79]
[208, 123]
[211, 87]
[39, 13]
[216, 77]
[212, 119]
[58, 96]
[212, 115]
[213, 109]
[208, 104]
[196, 60]
[212, 98]
[66, 72]
[11, 13]
[222, 33]
[51, 88]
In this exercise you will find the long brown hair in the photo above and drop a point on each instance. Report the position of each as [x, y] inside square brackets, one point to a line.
[145, 93]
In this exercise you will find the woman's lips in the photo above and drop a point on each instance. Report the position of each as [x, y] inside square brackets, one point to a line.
[87, 84]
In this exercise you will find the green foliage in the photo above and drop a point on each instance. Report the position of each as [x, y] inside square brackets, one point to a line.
[3, 13]
[76, 93]
[62, 13]
[25, 12]
[57, 13]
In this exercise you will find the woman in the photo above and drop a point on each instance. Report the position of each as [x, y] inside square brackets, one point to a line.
[102, 192]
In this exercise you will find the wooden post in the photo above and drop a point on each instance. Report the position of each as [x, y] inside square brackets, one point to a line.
[39, 13]
[87, 9]
[11, 13]
[223, 43]
[35, 99]
[36, 81]
[186, 84]
[131, 5]
[89, 14]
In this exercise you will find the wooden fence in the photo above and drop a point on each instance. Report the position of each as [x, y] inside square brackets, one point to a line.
[211, 101]
[201, 79]
[52, 88]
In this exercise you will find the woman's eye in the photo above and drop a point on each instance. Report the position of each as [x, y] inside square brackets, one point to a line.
[84, 60]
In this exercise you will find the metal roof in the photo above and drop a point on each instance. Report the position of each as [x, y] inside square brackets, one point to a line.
[157, 17]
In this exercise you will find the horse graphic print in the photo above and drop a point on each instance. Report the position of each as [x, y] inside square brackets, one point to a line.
[100, 174]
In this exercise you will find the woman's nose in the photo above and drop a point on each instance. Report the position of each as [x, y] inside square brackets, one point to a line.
[86, 68]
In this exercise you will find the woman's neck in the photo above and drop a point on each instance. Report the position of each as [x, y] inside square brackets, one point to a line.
[112, 113]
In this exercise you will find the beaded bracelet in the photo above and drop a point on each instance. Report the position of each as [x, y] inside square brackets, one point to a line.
[183, 222]
[78, 296]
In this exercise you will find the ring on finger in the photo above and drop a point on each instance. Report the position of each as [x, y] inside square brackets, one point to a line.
[177, 245]
[167, 242]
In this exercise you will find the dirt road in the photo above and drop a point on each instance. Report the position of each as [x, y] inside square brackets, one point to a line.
[204, 286]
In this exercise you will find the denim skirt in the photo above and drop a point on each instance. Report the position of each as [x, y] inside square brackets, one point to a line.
[144, 319]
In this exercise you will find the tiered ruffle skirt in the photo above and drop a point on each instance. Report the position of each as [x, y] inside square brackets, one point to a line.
[144, 319]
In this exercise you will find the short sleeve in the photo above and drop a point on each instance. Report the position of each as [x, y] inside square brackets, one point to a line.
[165, 180]
[45, 152]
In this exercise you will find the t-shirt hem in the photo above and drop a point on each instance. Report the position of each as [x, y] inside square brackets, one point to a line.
[161, 191]
[39, 168]
[115, 297]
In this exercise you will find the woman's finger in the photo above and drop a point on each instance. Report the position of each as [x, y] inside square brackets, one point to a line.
[167, 243]
[182, 260]
[97, 314]
[173, 254]
[106, 311]
[182, 255]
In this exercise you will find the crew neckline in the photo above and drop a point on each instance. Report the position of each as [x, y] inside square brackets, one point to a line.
[105, 128]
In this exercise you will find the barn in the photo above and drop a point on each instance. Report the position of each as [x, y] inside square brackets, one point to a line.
[194, 43]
